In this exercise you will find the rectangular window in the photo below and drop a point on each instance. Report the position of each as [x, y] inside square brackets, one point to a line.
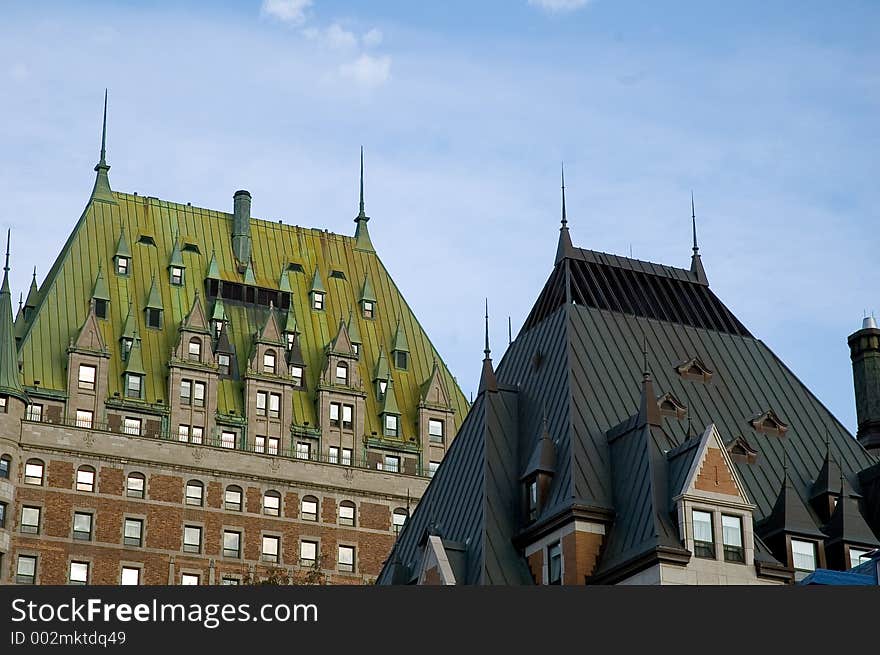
[732, 538]
[346, 457]
[704, 541]
[318, 301]
[196, 434]
[391, 463]
[227, 439]
[192, 539]
[308, 553]
[532, 498]
[176, 276]
[274, 445]
[262, 402]
[185, 392]
[347, 417]
[232, 499]
[390, 425]
[274, 405]
[101, 307]
[183, 433]
[346, 514]
[135, 486]
[368, 309]
[87, 375]
[85, 480]
[259, 444]
[30, 520]
[133, 386]
[230, 581]
[345, 558]
[134, 532]
[33, 473]
[270, 548]
[272, 504]
[131, 576]
[194, 492]
[4, 402]
[34, 413]
[82, 526]
[269, 362]
[309, 510]
[398, 520]
[303, 450]
[223, 363]
[232, 544]
[2, 515]
[154, 318]
[122, 265]
[84, 418]
[132, 425]
[335, 409]
[803, 555]
[5, 463]
[554, 560]
[435, 430]
[858, 556]
[199, 394]
[79, 573]
[189, 579]
[432, 468]
[296, 372]
[401, 359]
[26, 569]
[333, 458]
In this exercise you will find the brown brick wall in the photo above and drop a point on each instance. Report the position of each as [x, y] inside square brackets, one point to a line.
[715, 475]
[536, 566]
[375, 516]
[580, 550]
[214, 494]
[166, 488]
[60, 474]
[110, 481]
[328, 510]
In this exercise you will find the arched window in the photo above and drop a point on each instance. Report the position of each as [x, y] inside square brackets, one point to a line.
[341, 373]
[135, 485]
[33, 471]
[195, 349]
[272, 503]
[269, 362]
[5, 466]
[195, 493]
[232, 498]
[85, 478]
[398, 519]
[346, 513]
[309, 509]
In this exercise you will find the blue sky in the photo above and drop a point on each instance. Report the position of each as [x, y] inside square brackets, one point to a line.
[768, 111]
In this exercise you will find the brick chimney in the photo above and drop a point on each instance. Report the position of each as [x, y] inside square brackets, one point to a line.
[864, 351]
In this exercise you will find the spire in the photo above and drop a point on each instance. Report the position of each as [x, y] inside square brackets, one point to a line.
[213, 268]
[154, 298]
[134, 365]
[10, 378]
[354, 333]
[488, 382]
[697, 263]
[290, 321]
[101, 291]
[399, 343]
[30, 304]
[564, 248]
[389, 400]
[361, 234]
[129, 328]
[102, 190]
[649, 411]
[176, 255]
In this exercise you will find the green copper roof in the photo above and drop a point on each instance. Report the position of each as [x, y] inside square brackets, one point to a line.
[290, 321]
[176, 256]
[354, 333]
[367, 292]
[33, 292]
[219, 311]
[381, 371]
[135, 363]
[249, 277]
[10, 379]
[122, 249]
[361, 233]
[102, 191]
[129, 328]
[389, 402]
[64, 301]
[154, 299]
[317, 284]
[284, 282]
[399, 342]
[100, 290]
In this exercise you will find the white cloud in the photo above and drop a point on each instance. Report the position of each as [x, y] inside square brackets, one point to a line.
[288, 11]
[558, 6]
[372, 38]
[368, 71]
[339, 38]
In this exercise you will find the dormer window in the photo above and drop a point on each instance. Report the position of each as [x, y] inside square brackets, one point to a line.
[296, 372]
[803, 555]
[401, 359]
[732, 538]
[291, 337]
[382, 387]
[269, 362]
[224, 361]
[769, 423]
[154, 318]
[101, 308]
[176, 275]
[532, 499]
[342, 373]
[133, 386]
[368, 308]
[218, 329]
[391, 425]
[127, 342]
[858, 556]
[122, 265]
[356, 349]
[317, 301]
[195, 349]
[704, 540]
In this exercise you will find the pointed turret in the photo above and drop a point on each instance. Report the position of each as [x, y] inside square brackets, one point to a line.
[284, 281]
[129, 332]
[10, 378]
[176, 256]
[696, 262]
[342, 343]
[381, 372]
[270, 333]
[290, 326]
[249, 278]
[218, 313]
[213, 268]
[389, 400]
[317, 283]
[399, 344]
[354, 333]
[33, 297]
[122, 249]
[134, 365]
[487, 377]
[154, 298]
[361, 234]
[102, 190]
[564, 248]
[789, 515]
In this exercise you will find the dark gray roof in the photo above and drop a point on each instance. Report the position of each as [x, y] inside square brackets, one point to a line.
[790, 515]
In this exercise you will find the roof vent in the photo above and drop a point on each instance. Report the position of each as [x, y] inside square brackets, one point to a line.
[670, 406]
[769, 422]
[191, 247]
[295, 266]
[694, 369]
[869, 323]
[742, 451]
[339, 275]
[146, 240]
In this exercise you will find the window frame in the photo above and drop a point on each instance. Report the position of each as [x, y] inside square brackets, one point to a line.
[84, 383]
[85, 418]
[176, 275]
[137, 571]
[228, 552]
[346, 567]
[303, 450]
[434, 437]
[267, 509]
[128, 425]
[270, 362]
[133, 541]
[274, 409]
[87, 534]
[85, 484]
[342, 367]
[34, 412]
[733, 553]
[122, 265]
[389, 431]
[391, 463]
[349, 517]
[554, 555]
[268, 556]
[135, 475]
[194, 349]
[233, 506]
[347, 424]
[192, 500]
[29, 477]
[318, 301]
[224, 434]
[815, 554]
[397, 526]
[309, 516]
[704, 549]
[78, 563]
[189, 547]
[5, 466]
[19, 576]
[134, 386]
[30, 528]
[305, 561]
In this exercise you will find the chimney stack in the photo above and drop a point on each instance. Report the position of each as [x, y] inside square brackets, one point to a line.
[864, 351]
[241, 228]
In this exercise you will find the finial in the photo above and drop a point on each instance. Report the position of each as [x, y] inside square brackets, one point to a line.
[104, 133]
[564, 218]
[645, 371]
[361, 213]
[20, 301]
[509, 331]
[487, 351]
[694, 224]
[8, 238]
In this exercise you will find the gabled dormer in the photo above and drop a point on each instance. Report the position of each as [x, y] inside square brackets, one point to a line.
[134, 375]
[769, 423]
[87, 365]
[354, 334]
[176, 267]
[317, 293]
[154, 309]
[341, 369]
[129, 332]
[122, 257]
[101, 295]
[218, 318]
[826, 489]
[694, 369]
[381, 374]
[290, 328]
[400, 348]
[225, 357]
[538, 475]
[671, 406]
[194, 336]
[267, 357]
[390, 413]
[367, 299]
[434, 417]
[740, 450]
